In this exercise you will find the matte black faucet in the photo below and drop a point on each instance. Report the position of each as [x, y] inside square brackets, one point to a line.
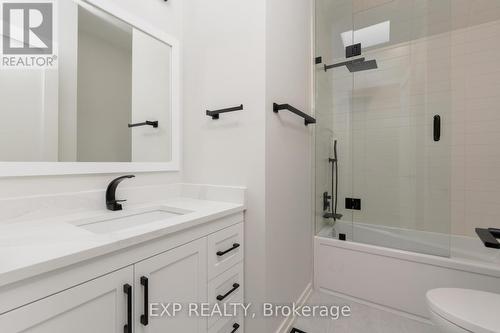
[111, 202]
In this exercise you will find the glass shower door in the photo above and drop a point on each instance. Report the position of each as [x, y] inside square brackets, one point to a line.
[400, 167]
[333, 103]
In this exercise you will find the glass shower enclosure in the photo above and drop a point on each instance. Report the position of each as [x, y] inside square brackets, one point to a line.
[383, 107]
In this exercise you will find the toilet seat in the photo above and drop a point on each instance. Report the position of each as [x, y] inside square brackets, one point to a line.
[473, 310]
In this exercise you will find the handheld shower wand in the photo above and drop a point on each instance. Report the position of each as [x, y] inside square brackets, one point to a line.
[332, 214]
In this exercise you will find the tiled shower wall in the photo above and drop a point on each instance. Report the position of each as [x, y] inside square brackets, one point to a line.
[383, 121]
[476, 128]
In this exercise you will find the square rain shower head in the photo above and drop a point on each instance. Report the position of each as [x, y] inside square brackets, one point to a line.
[359, 66]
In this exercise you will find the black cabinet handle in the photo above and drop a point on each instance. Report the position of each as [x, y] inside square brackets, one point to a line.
[235, 328]
[221, 253]
[437, 128]
[127, 289]
[223, 297]
[145, 316]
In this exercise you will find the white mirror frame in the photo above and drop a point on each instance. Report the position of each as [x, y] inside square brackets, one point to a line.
[16, 169]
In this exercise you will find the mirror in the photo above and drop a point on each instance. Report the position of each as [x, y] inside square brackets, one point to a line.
[111, 99]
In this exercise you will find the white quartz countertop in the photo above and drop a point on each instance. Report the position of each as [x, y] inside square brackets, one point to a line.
[35, 247]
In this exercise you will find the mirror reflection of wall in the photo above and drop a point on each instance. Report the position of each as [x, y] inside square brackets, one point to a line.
[109, 75]
[104, 89]
[151, 98]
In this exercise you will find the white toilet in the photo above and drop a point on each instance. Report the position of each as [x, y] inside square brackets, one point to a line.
[464, 311]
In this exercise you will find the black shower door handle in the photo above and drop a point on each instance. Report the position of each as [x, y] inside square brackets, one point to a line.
[437, 128]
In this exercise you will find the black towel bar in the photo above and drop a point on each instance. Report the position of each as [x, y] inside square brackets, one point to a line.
[146, 123]
[307, 118]
[215, 114]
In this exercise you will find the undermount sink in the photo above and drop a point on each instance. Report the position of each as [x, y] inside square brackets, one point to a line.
[117, 221]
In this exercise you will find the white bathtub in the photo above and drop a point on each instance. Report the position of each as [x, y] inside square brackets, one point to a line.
[415, 241]
[398, 279]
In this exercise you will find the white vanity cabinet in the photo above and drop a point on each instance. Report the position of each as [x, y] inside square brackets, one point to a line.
[178, 276]
[118, 287]
[226, 277]
[98, 306]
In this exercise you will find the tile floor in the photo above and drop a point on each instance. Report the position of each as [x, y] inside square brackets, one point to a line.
[363, 319]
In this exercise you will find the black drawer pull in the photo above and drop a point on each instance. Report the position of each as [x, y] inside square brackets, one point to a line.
[223, 297]
[221, 253]
[127, 289]
[235, 328]
[145, 316]
[437, 128]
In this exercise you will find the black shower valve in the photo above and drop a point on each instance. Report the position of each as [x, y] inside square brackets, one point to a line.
[326, 201]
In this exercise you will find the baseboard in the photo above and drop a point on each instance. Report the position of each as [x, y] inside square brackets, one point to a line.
[287, 324]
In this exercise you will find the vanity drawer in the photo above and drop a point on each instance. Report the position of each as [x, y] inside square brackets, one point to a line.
[225, 249]
[229, 325]
[226, 288]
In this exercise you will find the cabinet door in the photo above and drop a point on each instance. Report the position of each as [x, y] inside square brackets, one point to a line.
[176, 276]
[98, 306]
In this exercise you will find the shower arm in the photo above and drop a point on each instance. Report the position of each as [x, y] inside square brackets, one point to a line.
[344, 63]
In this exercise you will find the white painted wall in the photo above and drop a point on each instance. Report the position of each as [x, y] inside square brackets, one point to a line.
[239, 53]
[288, 152]
[224, 66]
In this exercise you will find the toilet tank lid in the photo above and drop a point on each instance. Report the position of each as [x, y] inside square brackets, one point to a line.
[473, 310]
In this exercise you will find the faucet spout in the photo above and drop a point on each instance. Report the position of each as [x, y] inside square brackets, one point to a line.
[111, 202]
